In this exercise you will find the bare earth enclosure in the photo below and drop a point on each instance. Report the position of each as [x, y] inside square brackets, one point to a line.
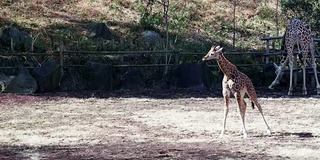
[167, 124]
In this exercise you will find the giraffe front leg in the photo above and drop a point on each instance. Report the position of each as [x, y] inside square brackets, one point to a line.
[226, 110]
[278, 77]
[275, 82]
[304, 88]
[290, 87]
[226, 96]
[291, 73]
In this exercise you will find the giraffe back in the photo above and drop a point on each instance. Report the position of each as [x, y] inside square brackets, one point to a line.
[241, 83]
[297, 32]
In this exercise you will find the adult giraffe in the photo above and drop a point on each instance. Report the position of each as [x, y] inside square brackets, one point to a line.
[297, 33]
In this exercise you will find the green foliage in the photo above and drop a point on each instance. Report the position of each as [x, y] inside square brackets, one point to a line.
[306, 10]
[265, 11]
[149, 19]
[226, 26]
[179, 19]
[114, 7]
[39, 40]
[179, 14]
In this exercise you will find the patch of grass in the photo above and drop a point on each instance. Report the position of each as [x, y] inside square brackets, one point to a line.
[265, 12]
[201, 21]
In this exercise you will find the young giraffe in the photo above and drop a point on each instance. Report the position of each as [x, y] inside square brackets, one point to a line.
[297, 33]
[238, 84]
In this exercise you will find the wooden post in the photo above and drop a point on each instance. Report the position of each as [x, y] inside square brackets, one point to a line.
[165, 17]
[131, 44]
[121, 42]
[295, 71]
[267, 48]
[313, 34]
[112, 43]
[32, 44]
[176, 58]
[12, 45]
[277, 21]
[234, 23]
[61, 61]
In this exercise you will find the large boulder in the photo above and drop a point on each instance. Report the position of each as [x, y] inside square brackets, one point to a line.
[21, 40]
[100, 31]
[150, 39]
[4, 81]
[48, 76]
[73, 80]
[133, 80]
[22, 83]
[192, 76]
[99, 76]
[150, 36]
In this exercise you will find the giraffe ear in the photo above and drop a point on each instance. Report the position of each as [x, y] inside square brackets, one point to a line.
[217, 48]
[220, 49]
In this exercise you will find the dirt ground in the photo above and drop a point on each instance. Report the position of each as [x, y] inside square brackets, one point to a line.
[167, 124]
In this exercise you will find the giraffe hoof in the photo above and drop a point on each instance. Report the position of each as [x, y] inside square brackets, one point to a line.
[290, 93]
[245, 136]
[269, 132]
[270, 87]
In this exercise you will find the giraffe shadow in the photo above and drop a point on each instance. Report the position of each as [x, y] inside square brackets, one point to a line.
[297, 134]
[290, 134]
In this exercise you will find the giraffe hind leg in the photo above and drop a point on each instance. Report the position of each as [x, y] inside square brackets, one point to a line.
[243, 112]
[316, 78]
[253, 97]
[239, 100]
[260, 110]
[314, 66]
[304, 88]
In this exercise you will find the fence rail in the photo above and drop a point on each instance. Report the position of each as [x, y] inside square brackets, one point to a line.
[173, 54]
[62, 55]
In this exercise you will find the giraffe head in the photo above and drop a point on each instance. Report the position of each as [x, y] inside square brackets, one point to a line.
[213, 53]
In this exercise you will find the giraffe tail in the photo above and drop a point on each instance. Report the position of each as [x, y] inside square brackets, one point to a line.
[252, 104]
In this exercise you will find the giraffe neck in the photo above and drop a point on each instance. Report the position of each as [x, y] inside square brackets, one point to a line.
[226, 66]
